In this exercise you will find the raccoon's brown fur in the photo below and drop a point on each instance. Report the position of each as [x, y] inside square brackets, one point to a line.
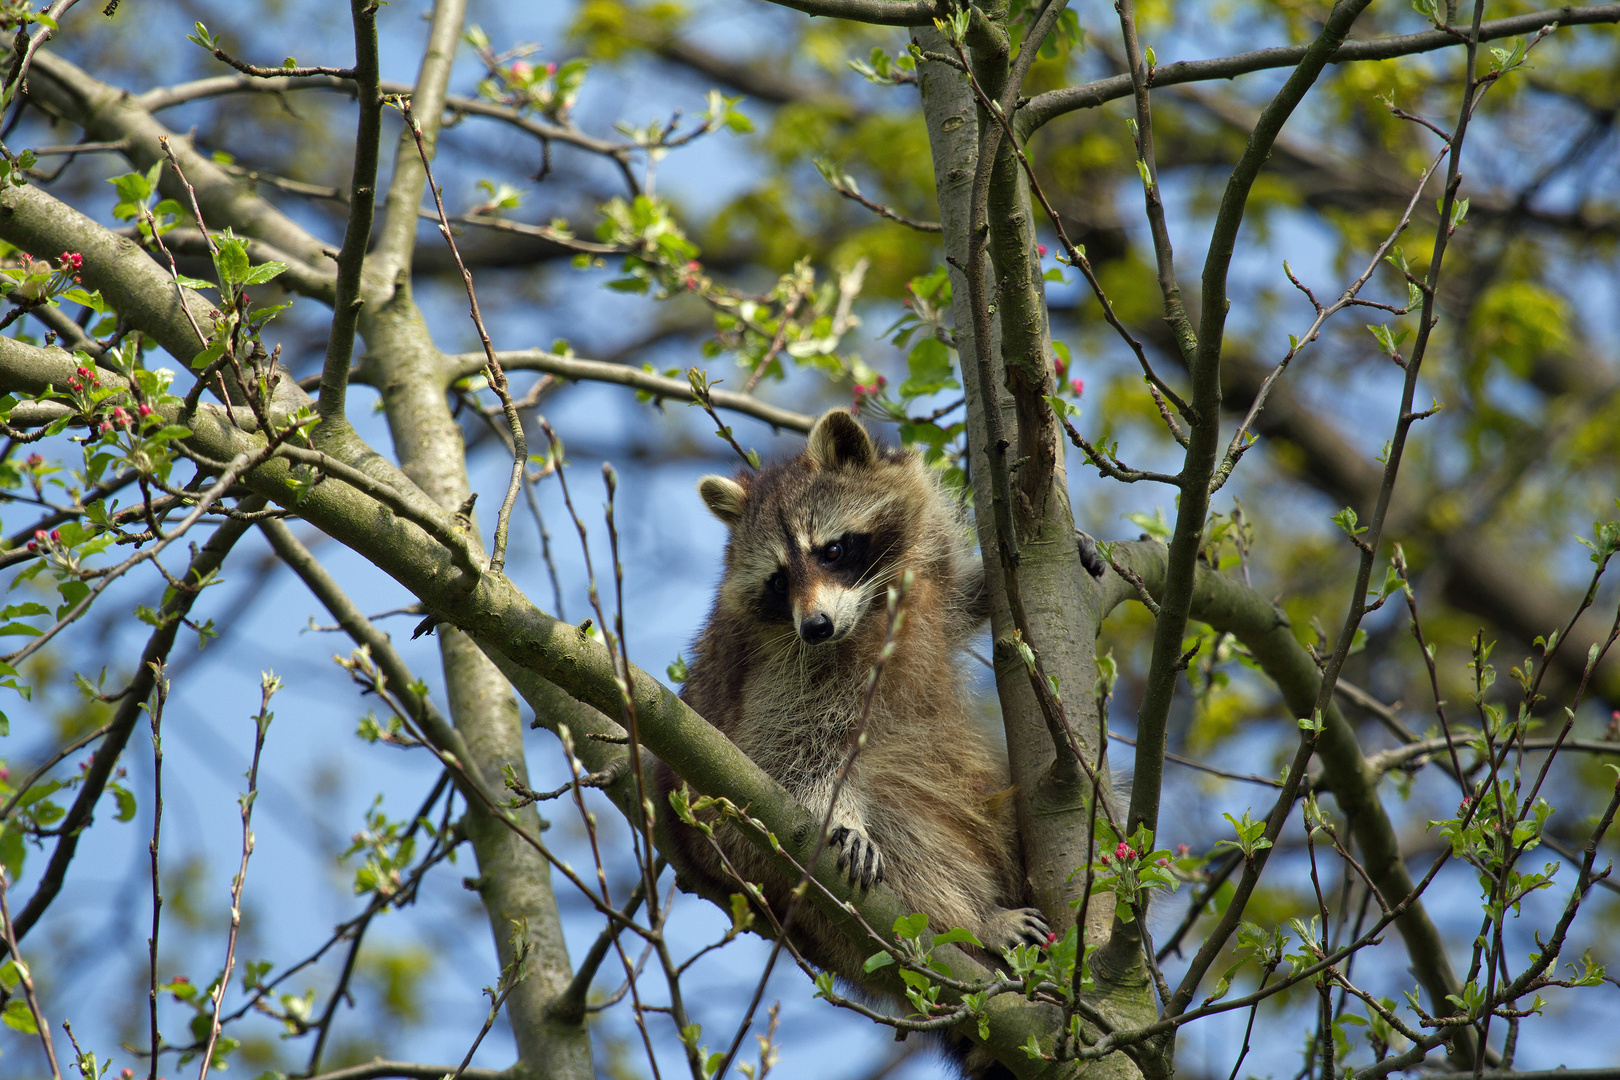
[782, 669]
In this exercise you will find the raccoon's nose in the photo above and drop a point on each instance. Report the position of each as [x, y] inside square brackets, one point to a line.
[816, 628]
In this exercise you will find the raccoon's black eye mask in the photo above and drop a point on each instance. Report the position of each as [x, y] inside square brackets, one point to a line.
[850, 554]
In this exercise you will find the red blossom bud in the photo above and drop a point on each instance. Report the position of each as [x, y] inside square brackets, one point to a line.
[83, 372]
[1042, 249]
[144, 409]
[521, 69]
[56, 535]
[32, 546]
[1078, 386]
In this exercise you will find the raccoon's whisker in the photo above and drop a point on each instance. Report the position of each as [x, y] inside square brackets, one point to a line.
[752, 654]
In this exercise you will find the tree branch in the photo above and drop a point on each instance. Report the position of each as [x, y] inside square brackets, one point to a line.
[464, 365]
[1054, 103]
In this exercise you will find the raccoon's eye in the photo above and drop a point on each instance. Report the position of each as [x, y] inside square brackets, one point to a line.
[777, 583]
[832, 552]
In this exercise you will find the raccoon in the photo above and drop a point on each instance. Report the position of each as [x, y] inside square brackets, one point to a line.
[782, 668]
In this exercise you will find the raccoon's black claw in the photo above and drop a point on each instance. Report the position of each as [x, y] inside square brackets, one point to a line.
[1090, 557]
[1031, 926]
[859, 859]
[1016, 926]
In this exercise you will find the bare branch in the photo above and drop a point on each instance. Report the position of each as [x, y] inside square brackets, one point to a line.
[1054, 103]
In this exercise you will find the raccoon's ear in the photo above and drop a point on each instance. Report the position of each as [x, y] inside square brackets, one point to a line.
[838, 441]
[725, 498]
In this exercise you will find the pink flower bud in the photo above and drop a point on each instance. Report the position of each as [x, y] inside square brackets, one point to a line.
[56, 535]
[1042, 249]
[1078, 386]
[521, 69]
[144, 409]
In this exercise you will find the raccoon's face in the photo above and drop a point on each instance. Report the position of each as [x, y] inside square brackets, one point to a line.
[813, 540]
[821, 586]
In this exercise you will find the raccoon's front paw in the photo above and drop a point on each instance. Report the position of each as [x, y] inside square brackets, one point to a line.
[859, 858]
[1015, 926]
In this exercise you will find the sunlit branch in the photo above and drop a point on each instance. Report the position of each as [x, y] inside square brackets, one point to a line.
[1054, 103]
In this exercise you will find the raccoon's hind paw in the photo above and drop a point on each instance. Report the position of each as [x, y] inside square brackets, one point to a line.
[859, 859]
[1016, 926]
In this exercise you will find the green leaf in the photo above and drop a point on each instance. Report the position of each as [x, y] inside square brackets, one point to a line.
[264, 272]
[215, 350]
[956, 934]
[19, 1018]
[232, 261]
[126, 802]
[878, 960]
[929, 366]
[909, 926]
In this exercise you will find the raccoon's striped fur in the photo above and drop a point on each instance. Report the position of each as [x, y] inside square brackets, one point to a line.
[782, 669]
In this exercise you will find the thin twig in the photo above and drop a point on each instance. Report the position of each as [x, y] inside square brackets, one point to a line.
[160, 686]
[41, 1027]
[492, 366]
[268, 685]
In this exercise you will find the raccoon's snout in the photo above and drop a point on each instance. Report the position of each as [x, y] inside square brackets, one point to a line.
[827, 613]
[816, 628]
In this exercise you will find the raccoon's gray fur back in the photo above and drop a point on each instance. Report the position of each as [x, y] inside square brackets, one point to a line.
[782, 668]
